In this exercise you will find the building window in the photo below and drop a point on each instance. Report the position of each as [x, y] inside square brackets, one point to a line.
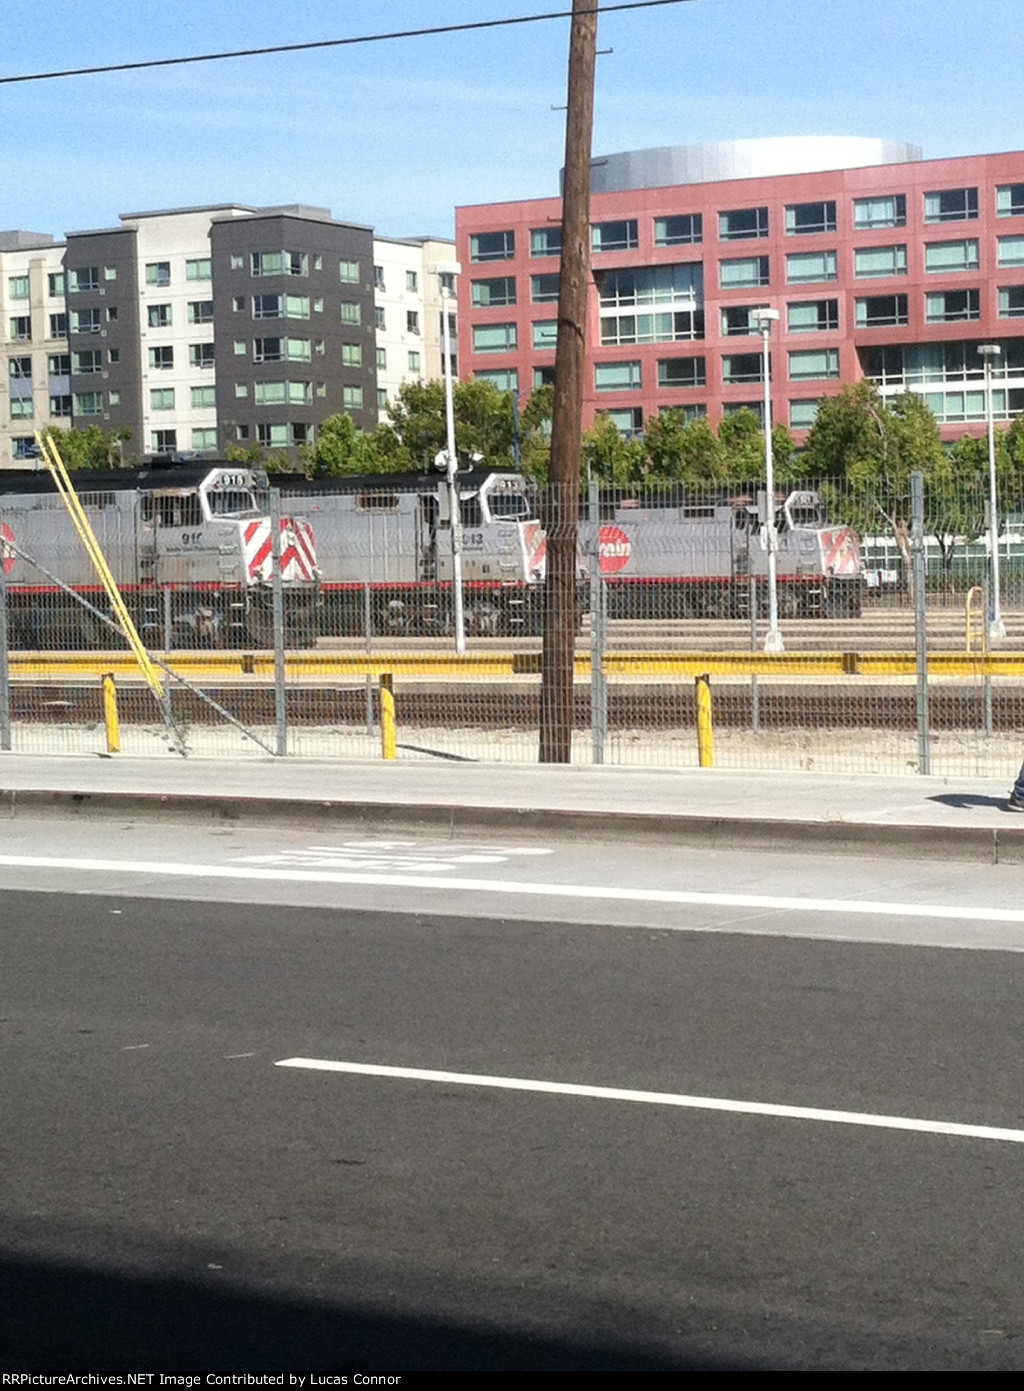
[240, 347]
[1011, 302]
[813, 316]
[17, 286]
[378, 317]
[545, 241]
[348, 272]
[158, 273]
[241, 390]
[736, 321]
[756, 409]
[351, 355]
[685, 229]
[545, 335]
[806, 267]
[279, 263]
[378, 277]
[21, 328]
[55, 285]
[814, 366]
[19, 367]
[1010, 251]
[949, 306]
[948, 257]
[163, 441]
[24, 447]
[238, 303]
[204, 397]
[543, 376]
[60, 405]
[159, 315]
[160, 359]
[199, 269]
[870, 214]
[382, 398]
[882, 311]
[411, 281]
[350, 312]
[58, 326]
[200, 311]
[1010, 200]
[614, 236]
[744, 274]
[270, 393]
[742, 367]
[109, 272]
[111, 313]
[491, 293]
[89, 403]
[85, 278]
[84, 321]
[629, 421]
[113, 355]
[59, 365]
[617, 376]
[200, 354]
[204, 439]
[237, 261]
[544, 288]
[382, 359]
[806, 218]
[503, 378]
[951, 205]
[446, 281]
[161, 398]
[742, 224]
[352, 398]
[113, 398]
[492, 246]
[494, 338]
[671, 327]
[85, 362]
[414, 362]
[878, 262]
[803, 414]
[412, 321]
[681, 371]
[21, 407]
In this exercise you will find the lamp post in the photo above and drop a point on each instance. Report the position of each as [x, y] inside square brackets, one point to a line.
[996, 628]
[764, 318]
[447, 458]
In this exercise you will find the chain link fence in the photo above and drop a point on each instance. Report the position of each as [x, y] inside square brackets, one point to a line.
[278, 611]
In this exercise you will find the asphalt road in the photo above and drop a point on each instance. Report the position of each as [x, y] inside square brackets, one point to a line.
[179, 1193]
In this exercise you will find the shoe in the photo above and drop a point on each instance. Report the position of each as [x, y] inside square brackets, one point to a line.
[1014, 803]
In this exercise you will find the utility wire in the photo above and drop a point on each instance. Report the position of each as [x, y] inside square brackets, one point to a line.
[337, 43]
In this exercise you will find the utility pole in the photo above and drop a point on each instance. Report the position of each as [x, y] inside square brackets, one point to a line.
[561, 512]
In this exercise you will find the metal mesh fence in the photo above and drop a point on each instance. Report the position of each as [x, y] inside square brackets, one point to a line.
[280, 614]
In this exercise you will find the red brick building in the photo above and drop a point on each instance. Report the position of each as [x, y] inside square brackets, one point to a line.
[892, 267]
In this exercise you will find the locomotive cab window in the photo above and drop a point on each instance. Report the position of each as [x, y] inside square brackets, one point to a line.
[233, 502]
[507, 504]
[179, 511]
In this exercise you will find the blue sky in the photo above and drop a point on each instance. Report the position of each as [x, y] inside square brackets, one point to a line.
[398, 134]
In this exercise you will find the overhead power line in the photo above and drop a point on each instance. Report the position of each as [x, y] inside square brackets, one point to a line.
[335, 43]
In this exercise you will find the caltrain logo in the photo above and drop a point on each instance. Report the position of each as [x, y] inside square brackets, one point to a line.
[613, 550]
[298, 554]
[6, 542]
[840, 552]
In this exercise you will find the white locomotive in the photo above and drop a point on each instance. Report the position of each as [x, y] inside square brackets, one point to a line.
[189, 545]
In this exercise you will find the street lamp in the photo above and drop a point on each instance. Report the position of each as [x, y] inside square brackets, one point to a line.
[446, 271]
[764, 318]
[996, 627]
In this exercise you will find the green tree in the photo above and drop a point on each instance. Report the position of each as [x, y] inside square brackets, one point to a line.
[612, 460]
[341, 447]
[483, 421]
[91, 447]
[742, 442]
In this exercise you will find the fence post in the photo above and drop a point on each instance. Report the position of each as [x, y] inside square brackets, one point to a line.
[598, 635]
[388, 738]
[755, 694]
[5, 672]
[924, 757]
[110, 720]
[280, 693]
[705, 734]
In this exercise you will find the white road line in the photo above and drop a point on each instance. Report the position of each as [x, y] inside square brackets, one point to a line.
[694, 1103]
[611, 894]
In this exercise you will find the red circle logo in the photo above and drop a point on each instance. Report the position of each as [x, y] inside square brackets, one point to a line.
[6, 534]
[613, 550]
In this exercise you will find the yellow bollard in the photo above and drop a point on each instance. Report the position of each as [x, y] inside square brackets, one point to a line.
[110, 719]
[975, 626]
[705, 734]
[388, 744]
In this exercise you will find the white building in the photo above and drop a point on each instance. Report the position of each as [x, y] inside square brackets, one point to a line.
[407, 298]
[35, 387]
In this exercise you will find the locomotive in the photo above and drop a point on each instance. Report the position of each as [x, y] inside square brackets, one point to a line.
[189, 545]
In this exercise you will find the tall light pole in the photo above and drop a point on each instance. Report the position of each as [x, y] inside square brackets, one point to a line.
[996, 627]
[447, 458]
[764, 318]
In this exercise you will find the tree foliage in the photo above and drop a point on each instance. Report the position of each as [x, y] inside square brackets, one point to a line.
[91, 447]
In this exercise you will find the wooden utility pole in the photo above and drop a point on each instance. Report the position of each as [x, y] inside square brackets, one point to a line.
[561, 514]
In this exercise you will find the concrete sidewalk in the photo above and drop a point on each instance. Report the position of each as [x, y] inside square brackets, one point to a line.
[904, 816]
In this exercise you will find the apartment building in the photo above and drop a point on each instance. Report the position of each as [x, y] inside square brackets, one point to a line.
[35, 387]
[408, 281]
[880, 264]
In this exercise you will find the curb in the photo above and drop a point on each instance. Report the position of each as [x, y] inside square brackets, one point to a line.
[974, 844]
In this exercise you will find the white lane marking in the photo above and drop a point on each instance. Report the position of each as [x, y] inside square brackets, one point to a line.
[425, 857]
[781, 902]
[694, 1103]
